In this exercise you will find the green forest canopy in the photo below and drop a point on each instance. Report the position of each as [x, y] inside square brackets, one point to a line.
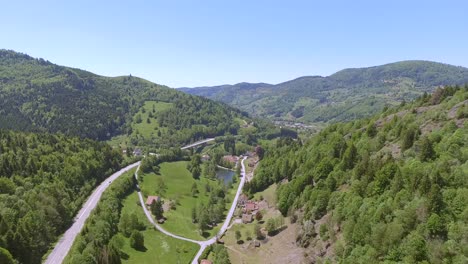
[38, 95]
[390, 189]
[44, 179]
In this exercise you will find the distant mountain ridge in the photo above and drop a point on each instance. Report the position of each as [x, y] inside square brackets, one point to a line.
[208, 91]
[345, 95]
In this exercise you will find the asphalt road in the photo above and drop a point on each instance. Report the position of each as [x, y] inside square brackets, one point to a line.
[66, 241]
[64, 244]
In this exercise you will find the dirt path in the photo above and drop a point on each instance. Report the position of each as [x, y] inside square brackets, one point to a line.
[203, 244]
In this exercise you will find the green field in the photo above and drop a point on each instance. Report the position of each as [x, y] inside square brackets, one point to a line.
[269, 194]
[179, 183]
[159, 247]
[144, 128]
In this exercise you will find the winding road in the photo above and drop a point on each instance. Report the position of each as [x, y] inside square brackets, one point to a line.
[205, 243]
[65, 242]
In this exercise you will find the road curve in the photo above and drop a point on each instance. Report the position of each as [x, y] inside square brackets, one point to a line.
[150, 218]
[205, 243]
[64, 244]
[225, 226]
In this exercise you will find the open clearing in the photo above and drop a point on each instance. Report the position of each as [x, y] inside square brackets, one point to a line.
[269, 194]
[280, 248]
[179, 183]
[144, 128]
[159, 247]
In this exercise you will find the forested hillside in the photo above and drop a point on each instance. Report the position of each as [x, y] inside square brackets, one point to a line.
[38, 95]
[389, 189]
[224, 93]
[44, 179]
[346, 95]
[164, 125]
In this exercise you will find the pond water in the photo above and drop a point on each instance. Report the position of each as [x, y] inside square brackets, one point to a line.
[225, 175]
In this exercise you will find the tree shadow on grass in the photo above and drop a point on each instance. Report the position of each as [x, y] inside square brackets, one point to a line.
[206, 234]
[277, 231]
[124, 255]
[141, 249]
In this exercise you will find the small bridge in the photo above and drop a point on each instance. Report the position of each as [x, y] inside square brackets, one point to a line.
[198, 143]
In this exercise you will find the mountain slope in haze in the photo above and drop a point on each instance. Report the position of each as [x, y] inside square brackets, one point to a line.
[224, 93]
[389, 189]
[38, 95]
[345, 95]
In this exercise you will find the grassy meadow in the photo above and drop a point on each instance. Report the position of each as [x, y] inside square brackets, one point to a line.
[160, 248]
[179, 183]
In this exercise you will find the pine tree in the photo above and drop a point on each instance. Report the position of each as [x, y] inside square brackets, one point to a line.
[194, 214]
[137, 240]
[238, 235]
[194, 189]
[427, 151]
[157, 209]
[350, 157]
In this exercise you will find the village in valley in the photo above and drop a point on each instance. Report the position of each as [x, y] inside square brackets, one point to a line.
[256, 227]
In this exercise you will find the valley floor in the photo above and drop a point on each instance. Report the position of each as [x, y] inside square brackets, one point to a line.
[159, 247]
[179, 181]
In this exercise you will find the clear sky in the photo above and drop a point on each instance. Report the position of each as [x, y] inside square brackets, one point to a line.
[194, 43]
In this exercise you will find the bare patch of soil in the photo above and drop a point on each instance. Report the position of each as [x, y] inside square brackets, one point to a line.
[452, 113]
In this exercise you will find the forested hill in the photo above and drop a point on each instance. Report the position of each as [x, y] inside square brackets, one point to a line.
[389, 189]
[224, 93]
[38, 95]
[44, 180]
[343, 96]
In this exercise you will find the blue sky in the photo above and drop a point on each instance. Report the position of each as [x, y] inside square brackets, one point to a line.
[194, 43]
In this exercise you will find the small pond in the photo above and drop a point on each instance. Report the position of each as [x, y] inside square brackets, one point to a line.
[225, 175]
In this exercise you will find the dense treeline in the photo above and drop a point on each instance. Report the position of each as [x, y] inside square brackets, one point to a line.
[44, 179]
[199, 118]
[275, 167]
[390, 189]
[152, 162]
[98, 241]
[189, 119]
[38, 95]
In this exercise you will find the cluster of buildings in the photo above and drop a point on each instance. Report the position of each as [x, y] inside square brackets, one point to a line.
[231, 159]
[291, 124]
[136, 152]
[249, 208]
